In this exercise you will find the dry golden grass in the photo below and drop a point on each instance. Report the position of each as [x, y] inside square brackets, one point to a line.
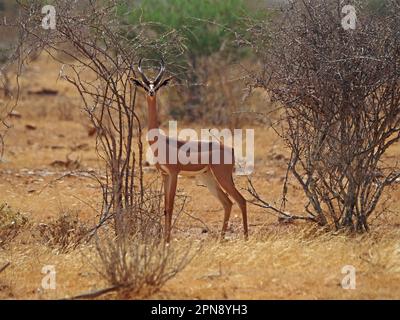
[289, 264]
[280, 261]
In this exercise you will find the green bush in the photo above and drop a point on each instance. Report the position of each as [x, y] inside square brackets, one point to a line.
[207, 25]
[208, 28]
[379, 7]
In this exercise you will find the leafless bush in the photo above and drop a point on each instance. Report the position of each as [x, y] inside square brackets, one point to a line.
[98, 54]
[64, 233]
[340, 91]
[9, 92]
[13, 55]
[138, 261]
[218, 97]
[99, 62]
[12, 223]
[140, 267]
[223, 92]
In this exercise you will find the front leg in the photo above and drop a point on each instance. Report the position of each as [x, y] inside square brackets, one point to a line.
[170, 184]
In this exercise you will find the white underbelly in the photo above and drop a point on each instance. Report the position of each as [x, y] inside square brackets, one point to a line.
[193, 173]
[185, 173]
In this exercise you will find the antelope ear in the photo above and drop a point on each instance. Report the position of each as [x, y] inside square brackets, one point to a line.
[164, 82]
[137, 82]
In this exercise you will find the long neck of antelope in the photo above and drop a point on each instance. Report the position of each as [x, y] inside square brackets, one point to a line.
[152, 114]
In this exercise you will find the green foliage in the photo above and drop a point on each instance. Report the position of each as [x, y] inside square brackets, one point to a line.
[208, 25]
[378, 7]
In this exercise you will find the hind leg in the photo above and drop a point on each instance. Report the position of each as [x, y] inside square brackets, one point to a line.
[225, 180]
[209, 180]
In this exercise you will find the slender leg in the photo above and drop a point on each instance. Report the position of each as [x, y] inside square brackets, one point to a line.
[166, 190]
[227, 203]
[212, 185]
[225, 180]
[170, 192]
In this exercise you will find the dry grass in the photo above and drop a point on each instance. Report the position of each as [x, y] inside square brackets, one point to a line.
[294, 266]
[11, 224]
[290, 261]
[282, 265]
[64, 233]
[140, 268]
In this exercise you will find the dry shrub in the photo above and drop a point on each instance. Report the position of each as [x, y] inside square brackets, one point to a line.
[100, 62]
[64, 233]
[141, 267]
[138, 261]
[98, 52]
[11, 224]
[225, 99]
[340, 96]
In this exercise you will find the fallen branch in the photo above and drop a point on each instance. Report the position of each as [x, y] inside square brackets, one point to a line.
[259, 202]
[94, 294]
[5, 266]
[199, 220]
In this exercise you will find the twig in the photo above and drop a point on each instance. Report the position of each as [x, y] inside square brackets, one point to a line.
[5, 266]
[94, 294]
[198, 219]
[259, 202]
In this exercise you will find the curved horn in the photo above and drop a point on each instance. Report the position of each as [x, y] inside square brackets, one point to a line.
[142, 75]
[160, 73]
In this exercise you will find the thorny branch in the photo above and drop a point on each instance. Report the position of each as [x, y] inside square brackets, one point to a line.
[340, 92]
